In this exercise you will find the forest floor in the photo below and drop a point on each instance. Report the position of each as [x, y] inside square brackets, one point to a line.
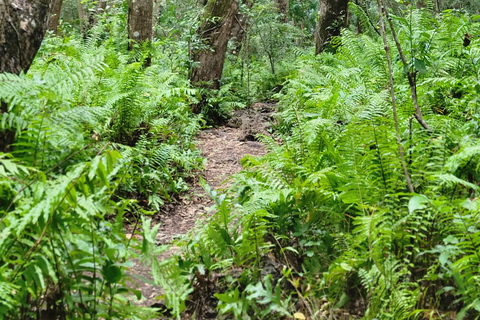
[223, 148]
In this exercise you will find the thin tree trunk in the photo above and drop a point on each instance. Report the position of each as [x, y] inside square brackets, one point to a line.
[7, 137]
[81, 18]
[87, 19]
[214, 32]
[283, 7]
[140, 23]
[411, 75]
[157, 8]
[99, 9]
[240, 27]
[22, 27]
[332, 16]
[420, 4]
[101, 6]
[392, 93]
[55, 15]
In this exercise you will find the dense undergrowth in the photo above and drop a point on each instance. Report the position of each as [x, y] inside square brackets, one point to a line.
[100, 141]
[322, 226]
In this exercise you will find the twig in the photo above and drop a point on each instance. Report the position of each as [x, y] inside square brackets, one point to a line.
[300, 295]
[94, 312]
[411, 74]
[392, 93]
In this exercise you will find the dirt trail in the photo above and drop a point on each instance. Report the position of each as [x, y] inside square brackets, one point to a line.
[223, 148]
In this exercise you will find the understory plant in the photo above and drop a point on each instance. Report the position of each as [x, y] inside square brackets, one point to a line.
[325, 222]
[99, 141]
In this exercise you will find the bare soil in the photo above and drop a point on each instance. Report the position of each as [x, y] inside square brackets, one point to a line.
[223, 148]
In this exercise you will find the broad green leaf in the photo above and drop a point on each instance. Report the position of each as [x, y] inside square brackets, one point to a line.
[346, 266]
[111, 273]
[443, 258]
[420, 66]
[417, 202]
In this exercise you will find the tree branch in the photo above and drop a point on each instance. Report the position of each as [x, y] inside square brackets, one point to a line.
[411, 74]
[392, 93]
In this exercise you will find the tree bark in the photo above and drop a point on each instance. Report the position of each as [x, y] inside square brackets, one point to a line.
[22, 27]
[411, 74]
[99, 9]
[88, 18]
[101, 6]
[81, 19]
[140, 23]
[55, 15]
[214, 32]
[420, 4]
[283, 7]
[332, 16]
[157, 8]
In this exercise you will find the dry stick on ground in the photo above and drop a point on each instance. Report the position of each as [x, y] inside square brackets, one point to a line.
[411, 74]
[392, 93]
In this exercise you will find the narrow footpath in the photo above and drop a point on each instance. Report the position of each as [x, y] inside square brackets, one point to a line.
[223, 148]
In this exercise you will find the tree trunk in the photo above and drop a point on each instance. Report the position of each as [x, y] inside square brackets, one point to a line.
[140, 23]
[421, 4]
[22, 28]
[240, 27]
[88, 18]
[101, 6]
[157, 8]
[55, 15]
[332, 16]
[283, 7]
[99, 9]
[215, 31]
[81, 19]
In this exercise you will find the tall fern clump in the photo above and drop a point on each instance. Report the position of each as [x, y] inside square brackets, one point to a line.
[328, 212]
[61, 256]
[98, 138]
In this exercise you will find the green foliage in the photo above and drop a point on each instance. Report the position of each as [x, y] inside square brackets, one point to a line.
[165, 273]
[329, 201]
[323, 223]
[97, 141]
[60, 253]
[259, 70]
[304, 14]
